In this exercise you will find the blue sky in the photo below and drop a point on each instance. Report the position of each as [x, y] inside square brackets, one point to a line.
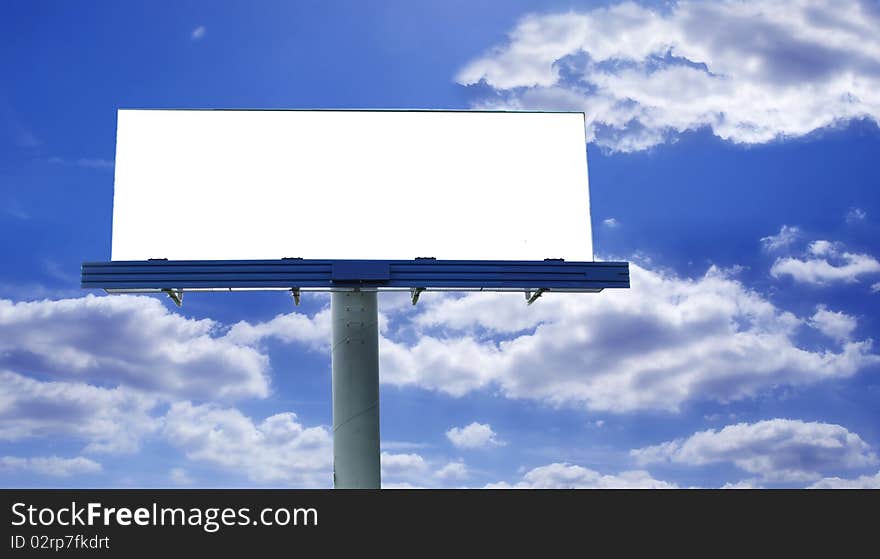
[732, 156]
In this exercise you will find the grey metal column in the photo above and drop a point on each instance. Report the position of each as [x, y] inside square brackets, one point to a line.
[355, 362]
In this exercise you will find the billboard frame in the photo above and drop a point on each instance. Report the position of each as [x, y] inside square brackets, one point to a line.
[354, 287]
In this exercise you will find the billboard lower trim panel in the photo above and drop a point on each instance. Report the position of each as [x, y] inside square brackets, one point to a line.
[335, 275]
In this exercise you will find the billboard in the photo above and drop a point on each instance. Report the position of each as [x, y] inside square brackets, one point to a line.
[339, 184]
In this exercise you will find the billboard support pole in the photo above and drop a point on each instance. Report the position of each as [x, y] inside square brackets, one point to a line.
[355, 386]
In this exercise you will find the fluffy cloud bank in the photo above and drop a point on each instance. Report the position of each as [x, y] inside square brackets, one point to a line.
[100, 371]
[570, 476]
[663, 343]
[411, 470]
[130, 341]
[750, 71]
[777, 450]
[277, 450]
[111, 420]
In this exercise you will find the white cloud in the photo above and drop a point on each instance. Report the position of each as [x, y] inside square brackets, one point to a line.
[393, 463]
[875, 288]
[856, 215]
[198, 33]
[402, 465]
[838, 326]
[861, 482]
[179, 476]
[785, 238]
[111, 420]
[105, 365]
[87, 162]
[400, 485]
[744, 484]
[475, 435]
[288, 328]
[130, 341]
[412, 470]
[611, 223]
[776, 449]
[15, 210]
[830, 267]
[751, 71]
[569, 476]
[455, 366]
[402, 445]
[665, 342]
[95, 163]
[50, 465]
[821, 248]
[453, 470]
[277, 450]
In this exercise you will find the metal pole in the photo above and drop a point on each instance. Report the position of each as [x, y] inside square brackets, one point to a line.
[355, 363]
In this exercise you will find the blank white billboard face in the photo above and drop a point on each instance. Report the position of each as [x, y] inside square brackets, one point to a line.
[230, 185]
